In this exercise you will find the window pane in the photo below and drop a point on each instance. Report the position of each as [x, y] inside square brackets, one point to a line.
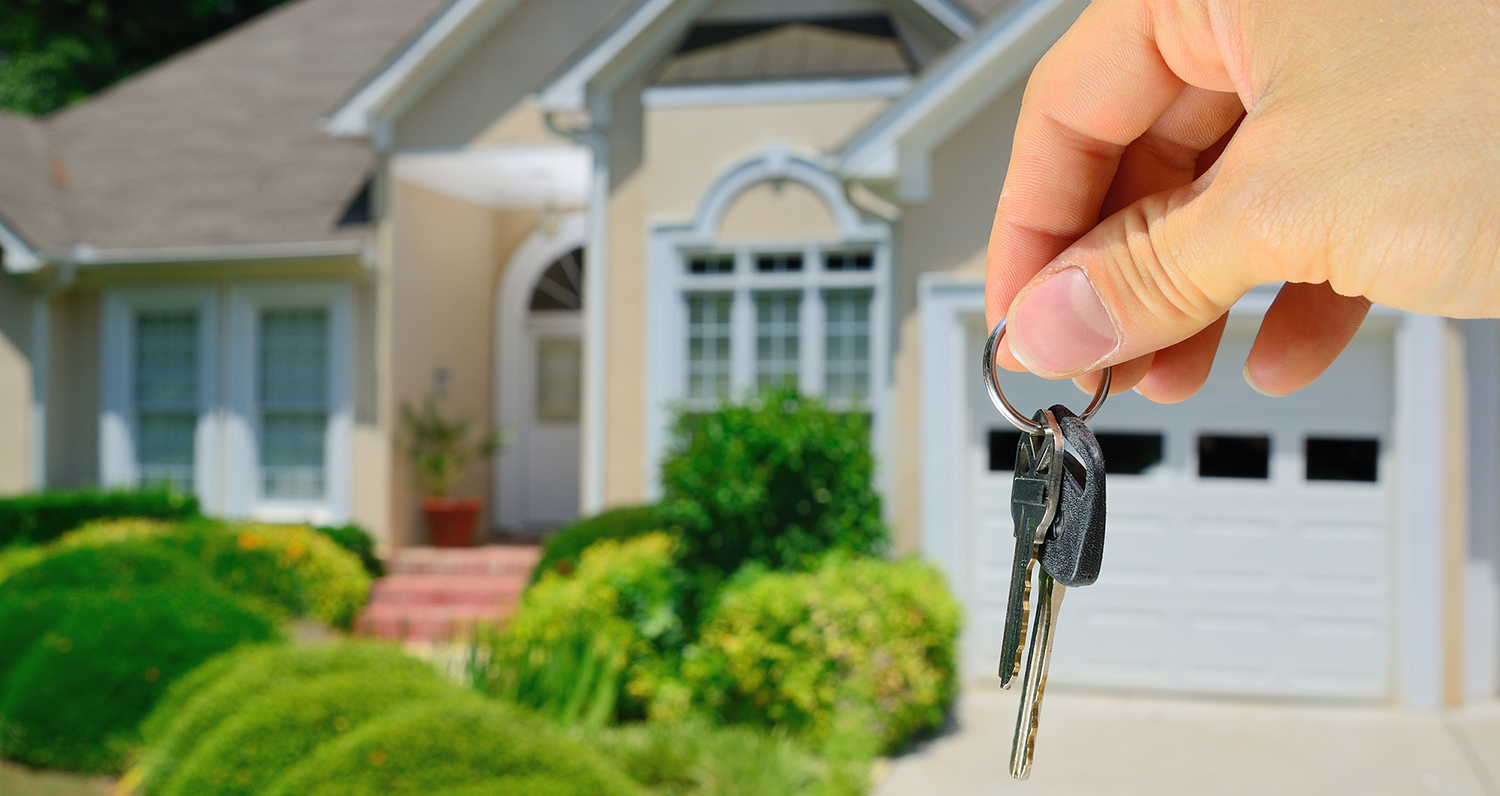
[1342, 459]
[777, 263]
[1234, 457]
[1003, 450]
[708, 346]
[1130, 454]
[847, 338]
[166, 397]
[711, 264]
[293, 402]
[849, 261]
[557, 379]
[776, 338]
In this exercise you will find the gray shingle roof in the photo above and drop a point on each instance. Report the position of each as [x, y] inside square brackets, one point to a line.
[217, 146]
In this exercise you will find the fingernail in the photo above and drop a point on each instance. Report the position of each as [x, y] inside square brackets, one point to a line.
[1061, 326]
[1245, 371]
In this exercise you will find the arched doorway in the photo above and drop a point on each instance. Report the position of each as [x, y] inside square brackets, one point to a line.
[540, 373]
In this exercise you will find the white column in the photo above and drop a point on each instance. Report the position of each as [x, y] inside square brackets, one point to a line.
[41, 360]
[595, 331]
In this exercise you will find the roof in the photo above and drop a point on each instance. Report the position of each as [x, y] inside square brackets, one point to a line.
[218, 146]
[897, 145]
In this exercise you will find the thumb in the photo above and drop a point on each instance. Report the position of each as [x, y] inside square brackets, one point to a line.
[1151, 275]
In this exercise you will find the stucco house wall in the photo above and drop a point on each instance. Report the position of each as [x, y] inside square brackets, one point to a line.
[15, 386]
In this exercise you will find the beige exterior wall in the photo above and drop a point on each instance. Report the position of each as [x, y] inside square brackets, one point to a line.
[948, 232]
[73, 394]
[16, 304]
[447, 257]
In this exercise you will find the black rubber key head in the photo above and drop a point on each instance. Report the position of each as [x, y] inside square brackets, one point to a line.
[1073, 555]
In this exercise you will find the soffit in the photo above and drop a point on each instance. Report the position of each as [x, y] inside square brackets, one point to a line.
[788, 52]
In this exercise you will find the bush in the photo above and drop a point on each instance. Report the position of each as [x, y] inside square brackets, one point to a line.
[214, 693]
[123, 566]
[563, 549]
[859, 637]
[41, 517]
[779, 483]
[465, 742]
[273, 731]
[596, 645]
[695, 758]
[75, 697]
[357, 541]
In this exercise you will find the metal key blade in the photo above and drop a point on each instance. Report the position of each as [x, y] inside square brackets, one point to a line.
[1048, 603]
[1035, 493]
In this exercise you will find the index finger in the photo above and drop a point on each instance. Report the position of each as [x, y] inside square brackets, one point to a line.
[1103, 84]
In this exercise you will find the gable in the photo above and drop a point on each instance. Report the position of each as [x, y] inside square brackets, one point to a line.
[738, 52]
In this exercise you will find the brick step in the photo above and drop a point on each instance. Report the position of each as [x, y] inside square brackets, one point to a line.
[426, 623]
[447, 590]
[465, 561]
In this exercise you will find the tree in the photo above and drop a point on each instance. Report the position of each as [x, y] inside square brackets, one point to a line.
[56, 52]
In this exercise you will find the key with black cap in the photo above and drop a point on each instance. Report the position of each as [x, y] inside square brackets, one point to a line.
[1035, 493]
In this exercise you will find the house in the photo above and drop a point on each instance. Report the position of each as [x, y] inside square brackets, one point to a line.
[569, 217]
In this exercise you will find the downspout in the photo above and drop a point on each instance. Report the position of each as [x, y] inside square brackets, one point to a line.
[595, 316]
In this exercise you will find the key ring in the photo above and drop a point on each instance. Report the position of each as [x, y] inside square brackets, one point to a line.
[997, 397]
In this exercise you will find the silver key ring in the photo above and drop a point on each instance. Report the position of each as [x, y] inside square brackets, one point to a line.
[997, 397]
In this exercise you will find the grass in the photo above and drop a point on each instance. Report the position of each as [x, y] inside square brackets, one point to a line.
[17, 780]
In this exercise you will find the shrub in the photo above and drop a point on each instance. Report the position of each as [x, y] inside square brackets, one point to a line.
[563, 550]
[861, 637]
[41, 517]
[122, 566]
[271, 732]
[211, 695]
[75, 697]
[357, 541]
[461, 742]
[579, 644]
[695, 758]
[778, 482]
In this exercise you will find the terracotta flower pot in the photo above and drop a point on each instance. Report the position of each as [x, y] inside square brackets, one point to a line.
[450, 521]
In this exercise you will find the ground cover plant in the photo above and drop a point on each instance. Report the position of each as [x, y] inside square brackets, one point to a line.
[40, 517]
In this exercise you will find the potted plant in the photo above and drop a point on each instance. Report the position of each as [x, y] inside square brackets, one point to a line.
[439, 450]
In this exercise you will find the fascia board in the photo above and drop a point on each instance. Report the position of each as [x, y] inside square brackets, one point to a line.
[20, 257]
[954, 19]
[89, 257]
[956, 87]
[426, 58]
[568, 92]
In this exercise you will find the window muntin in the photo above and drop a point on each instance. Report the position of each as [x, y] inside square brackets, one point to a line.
[293, 402]
[777, 338]
[166, 397]
[709, 335]
[846, 341]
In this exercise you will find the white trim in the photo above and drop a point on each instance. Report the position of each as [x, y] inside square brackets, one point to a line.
[898, 145]
[1482, 603]
[412, 71]
[242, 495]
[117, 431]
[514, 371]
[85, 255]
[761, 93]
[950, 16]
[666, 352]
[20, 257]
[40, 350]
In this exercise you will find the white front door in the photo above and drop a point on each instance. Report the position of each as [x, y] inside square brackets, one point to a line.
[549, 497]
[1249, 538]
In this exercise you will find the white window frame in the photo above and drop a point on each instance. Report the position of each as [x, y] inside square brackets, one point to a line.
[242, 434]
[118, 467]
[671, 246]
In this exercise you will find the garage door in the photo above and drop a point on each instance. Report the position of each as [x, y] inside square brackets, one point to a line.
[1249, 538]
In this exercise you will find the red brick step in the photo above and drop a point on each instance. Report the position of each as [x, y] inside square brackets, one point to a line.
[435, 594]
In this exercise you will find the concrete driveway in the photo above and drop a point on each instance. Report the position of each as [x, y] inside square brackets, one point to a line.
[1108, 745]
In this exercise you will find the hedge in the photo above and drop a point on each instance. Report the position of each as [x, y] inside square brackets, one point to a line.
[75, 697]
[357, 541]
[122, 566]
[41, 517]
[460, 742]
[563, 550]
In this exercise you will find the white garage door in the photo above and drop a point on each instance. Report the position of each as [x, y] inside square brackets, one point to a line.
[1248, 545]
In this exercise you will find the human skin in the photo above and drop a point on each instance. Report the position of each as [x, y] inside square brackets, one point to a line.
[1172, 154]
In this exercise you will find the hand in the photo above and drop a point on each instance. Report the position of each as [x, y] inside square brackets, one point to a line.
[1172, 154]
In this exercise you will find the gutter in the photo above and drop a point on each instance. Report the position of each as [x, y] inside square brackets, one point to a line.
[84, 255]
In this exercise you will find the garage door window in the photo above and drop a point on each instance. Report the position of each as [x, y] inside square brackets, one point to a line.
[1222, 456]
[1341, 459]
[1132, 453]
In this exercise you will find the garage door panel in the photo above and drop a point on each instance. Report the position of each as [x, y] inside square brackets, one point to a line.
[1259, 586]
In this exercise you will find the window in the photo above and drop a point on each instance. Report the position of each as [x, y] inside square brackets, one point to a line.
[1342, 459]
[778, 263]
[166, 397]
[293, 401]
[1234, 457]
[708, 346]
[776, 338]
[846, 357]
[558, 368]
[849, 261]
[711, 264]
[1003, 450]
[1130, 454]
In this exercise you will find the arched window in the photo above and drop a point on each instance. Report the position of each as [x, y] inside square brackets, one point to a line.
[561, 286]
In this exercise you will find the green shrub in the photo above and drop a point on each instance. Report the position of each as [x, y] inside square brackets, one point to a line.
[595, 645]
[213, 694]
[466, 742]
[778, 483]
[695, 758]
[862, 637]
[563, 549]
[75, 697]
[357, 541]
[122, 566]
[271, 732]
[41, 517]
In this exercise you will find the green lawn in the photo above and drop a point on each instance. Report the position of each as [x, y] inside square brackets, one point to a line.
[21, 781]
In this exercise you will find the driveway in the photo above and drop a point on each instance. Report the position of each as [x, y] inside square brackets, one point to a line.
[1108, 745]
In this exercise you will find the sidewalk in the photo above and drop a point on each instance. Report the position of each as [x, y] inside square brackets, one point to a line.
[1114, 746]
